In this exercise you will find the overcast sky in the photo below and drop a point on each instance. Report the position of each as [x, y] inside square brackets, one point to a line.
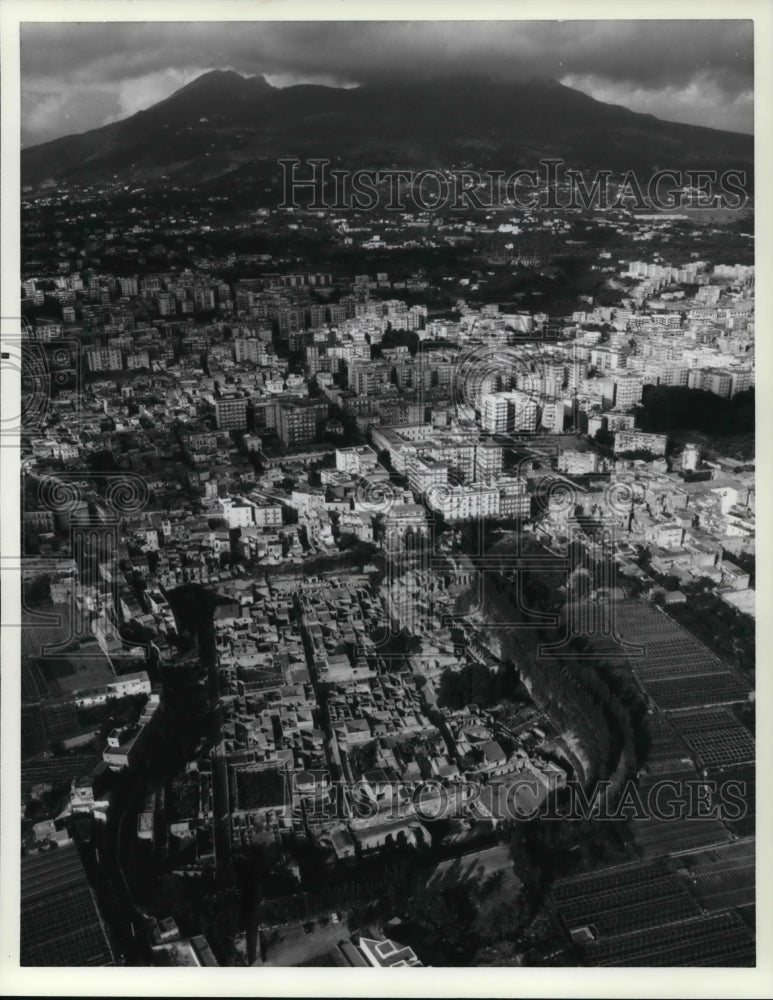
[79, 76]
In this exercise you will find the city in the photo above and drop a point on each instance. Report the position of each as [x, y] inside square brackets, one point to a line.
[388, 577]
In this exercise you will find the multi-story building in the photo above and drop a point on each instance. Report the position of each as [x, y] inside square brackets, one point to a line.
[578, 463]
[577, 370]
[716, 380]
[673, 375]
[425, 472]
[457, 452]
[204, 298]
[552, 415]
[299, 423]
[129, 286]
[138, 359]
[488, 461]
[268, 515]
[126, 745]
[628, 390]
[318, 360]
[741, 379]
[635, 440]
[39, 520]
[231, 413]
[357, 460]
[167, 304]
[237, 512]
[315, 315]
[514, 501]
[608, 358]
[368, 378]
[525, 412]
[288, 320]
[509, 411]
[104, 359]
[464, 503]
[247, 349]
[336, 313]
[610, 421]
[494, 413]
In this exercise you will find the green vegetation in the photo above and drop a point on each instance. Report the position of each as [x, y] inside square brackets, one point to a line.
[447, 926]
[637, 455]
[476, 684]
[114, 712]
[673, 408]
[545, 849]
[397, 647]
[37, 591]
[398, 338]
[362, 758]
[211, 905]
[378, 888]
[355, 557]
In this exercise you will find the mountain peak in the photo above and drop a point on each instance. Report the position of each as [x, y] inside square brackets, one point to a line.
[224, 81]
[214, 79]
[215, 92]
[221, 74]
[223, 120]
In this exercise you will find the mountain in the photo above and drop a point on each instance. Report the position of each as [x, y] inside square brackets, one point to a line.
[223, 121]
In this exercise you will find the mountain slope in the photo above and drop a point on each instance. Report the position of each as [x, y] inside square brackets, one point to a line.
[222, 121]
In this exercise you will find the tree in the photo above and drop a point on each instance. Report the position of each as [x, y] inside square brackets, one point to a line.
[31, 543]
[38, 591]
[673, 408]
[441, 924]
[506, 920]
[477, 684]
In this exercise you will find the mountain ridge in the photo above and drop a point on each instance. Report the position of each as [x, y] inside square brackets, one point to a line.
[222, 121]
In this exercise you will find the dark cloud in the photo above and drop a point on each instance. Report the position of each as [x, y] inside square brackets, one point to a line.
[78, 76]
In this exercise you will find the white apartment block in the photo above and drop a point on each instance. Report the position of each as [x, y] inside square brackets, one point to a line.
[465, 503]
[356, 460]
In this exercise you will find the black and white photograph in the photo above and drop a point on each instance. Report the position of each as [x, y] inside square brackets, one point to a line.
[379, 548]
